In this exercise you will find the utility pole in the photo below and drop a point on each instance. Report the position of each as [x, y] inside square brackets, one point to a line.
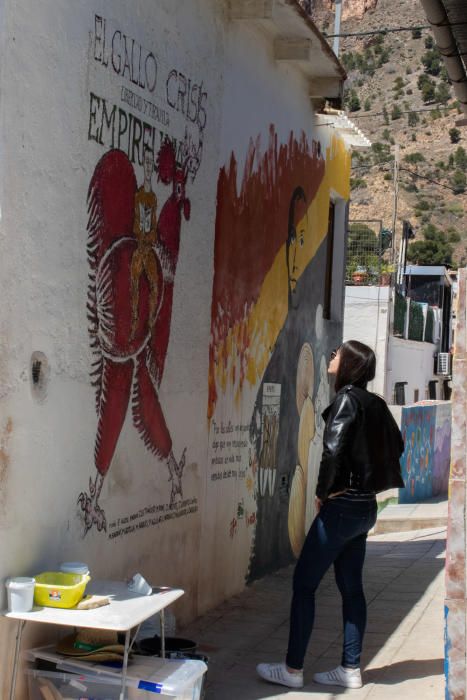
[337, 27]
[395, 202]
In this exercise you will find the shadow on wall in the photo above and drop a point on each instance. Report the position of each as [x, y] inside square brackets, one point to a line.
[426, 430]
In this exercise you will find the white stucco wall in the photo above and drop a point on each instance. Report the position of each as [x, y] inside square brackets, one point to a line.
[49, 70]
[412, 362]
[56, 71]
[367, 318]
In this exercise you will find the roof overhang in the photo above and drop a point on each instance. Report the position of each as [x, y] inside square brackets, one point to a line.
[352, 136]
[430, 271]
[296, 41]
[448, 22]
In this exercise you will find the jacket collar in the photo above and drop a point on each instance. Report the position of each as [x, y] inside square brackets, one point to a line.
[345, 390]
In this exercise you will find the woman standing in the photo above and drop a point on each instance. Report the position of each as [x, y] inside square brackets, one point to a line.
[361, 448]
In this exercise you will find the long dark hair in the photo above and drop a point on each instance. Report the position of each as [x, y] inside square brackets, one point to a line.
[357, 365]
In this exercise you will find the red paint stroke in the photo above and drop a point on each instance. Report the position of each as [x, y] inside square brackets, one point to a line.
[251, 227]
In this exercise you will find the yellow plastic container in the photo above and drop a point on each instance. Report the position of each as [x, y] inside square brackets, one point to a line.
[56, 589]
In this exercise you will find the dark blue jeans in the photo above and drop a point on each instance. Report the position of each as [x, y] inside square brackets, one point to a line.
[337, 536]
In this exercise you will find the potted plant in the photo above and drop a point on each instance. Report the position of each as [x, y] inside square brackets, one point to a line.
[360, 275]
[385, 275]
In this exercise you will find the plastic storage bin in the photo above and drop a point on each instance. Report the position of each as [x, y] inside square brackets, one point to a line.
[148, 678]
[45, 685]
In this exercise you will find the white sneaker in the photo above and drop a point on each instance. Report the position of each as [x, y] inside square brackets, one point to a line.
[347, 677]
[277, 673]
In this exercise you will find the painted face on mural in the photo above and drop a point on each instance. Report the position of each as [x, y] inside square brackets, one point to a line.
[296, 242]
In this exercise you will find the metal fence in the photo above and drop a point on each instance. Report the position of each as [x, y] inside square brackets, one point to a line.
[367, 242]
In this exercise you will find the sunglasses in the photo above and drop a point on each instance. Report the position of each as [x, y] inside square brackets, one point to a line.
[333, 354]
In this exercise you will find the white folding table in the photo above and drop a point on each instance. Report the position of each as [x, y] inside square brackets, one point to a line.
[125, 611]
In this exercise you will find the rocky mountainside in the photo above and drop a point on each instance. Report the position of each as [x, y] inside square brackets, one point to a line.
[398, 93]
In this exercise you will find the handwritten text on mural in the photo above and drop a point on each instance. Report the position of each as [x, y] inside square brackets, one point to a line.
[228, 449]
[151, 516]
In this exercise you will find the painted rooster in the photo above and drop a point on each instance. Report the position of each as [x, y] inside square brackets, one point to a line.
[129, 360]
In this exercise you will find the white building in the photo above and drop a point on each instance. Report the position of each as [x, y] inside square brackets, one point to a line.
[407, 370]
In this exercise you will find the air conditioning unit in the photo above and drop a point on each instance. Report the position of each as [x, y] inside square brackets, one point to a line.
[443, 363]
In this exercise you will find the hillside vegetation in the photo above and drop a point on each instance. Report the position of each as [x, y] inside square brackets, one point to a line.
[398, 93]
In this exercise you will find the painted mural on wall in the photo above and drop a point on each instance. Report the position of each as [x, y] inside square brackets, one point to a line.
[418, 432]
[268, 346]
[151, 127]
[426, 430]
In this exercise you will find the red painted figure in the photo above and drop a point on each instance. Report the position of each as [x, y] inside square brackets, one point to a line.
[130, 356]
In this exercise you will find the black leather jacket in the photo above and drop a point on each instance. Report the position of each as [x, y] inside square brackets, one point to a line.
[361, 445]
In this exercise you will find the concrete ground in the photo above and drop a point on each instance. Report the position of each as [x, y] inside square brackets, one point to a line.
[413, 516]
[403, 655]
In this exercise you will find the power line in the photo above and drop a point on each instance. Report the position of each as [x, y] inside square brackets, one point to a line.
[371, 165]
[434, 182]
[436, 105]
[385, 30]
[407, 170]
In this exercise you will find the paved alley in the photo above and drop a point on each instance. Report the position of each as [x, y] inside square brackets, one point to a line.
[403, 655]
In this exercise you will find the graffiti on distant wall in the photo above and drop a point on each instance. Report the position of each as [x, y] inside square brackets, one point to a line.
[133, 248]
[418, 431]
[426, 430]
[267, 328]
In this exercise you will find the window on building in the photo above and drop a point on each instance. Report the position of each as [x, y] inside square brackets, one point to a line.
[447, 391]
[329, 263]
[432, 389]
[416, 394]
[399, 393]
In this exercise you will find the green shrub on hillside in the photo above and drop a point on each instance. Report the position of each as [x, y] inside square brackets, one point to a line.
[423, 205]
[435, 249]
[432, 62]
[353, 101]
[415, 157]
[398, 84]
[357, 182]
[385, 115]
[396, 112]
[442, 93]
[453, 235]
[454, 135]
[410, 186]
[381, 151]
[460, 158]
[459, 181]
